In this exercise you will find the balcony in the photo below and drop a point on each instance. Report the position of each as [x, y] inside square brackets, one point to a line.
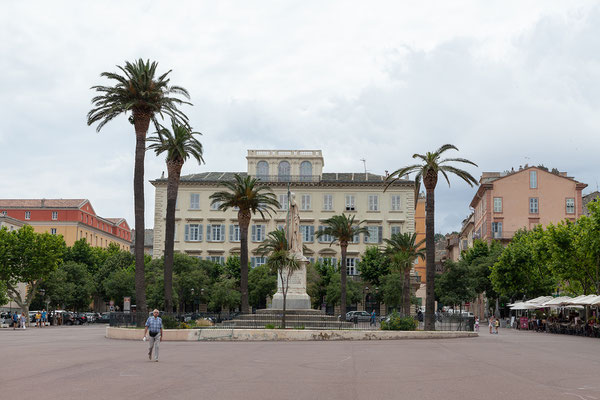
[289, 178]
[285, 153]
[502, 235]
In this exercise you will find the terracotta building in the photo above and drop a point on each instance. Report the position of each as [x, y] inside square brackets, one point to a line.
[509, 201]
[74, 219]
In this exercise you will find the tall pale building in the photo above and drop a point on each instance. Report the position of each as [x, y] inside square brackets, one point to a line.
[205, 232]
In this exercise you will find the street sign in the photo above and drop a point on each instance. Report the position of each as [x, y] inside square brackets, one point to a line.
[126, 304]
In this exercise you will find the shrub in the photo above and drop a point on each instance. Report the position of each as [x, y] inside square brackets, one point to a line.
[204, 322]
[397, 323]
[169, 322]
[184, 325]
[269, 326]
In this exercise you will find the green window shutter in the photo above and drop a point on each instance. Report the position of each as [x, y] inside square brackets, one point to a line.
[187, 232]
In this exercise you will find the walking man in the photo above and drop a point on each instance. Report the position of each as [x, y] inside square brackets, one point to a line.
[154, 328]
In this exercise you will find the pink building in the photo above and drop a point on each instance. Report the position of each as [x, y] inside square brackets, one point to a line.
[506, 202]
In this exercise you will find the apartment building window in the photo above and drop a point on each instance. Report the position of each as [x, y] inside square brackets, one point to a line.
[193, 232]
[497, 204]
[283, 171]
[497, 230]
[308, 233]
[533, 205]
[305, 202]
[324, 238]
[571, 206]
[328, 260]
[327, 202]
[396, 202]
[174, 233]
[234, 233]
[375, 234]
[258, 233]
[355, 238]
[215, 233]
[27, 214]
[53, 231]
[215, 206]
[305, 171]
[464, 244]
[54, 215]
[217, 259]
[283, 202]
[395, 229]
[257, 261]
[262, 170]
[351, 266]
[350, 203]
[533, 179]
[373, 202]
[194, 201]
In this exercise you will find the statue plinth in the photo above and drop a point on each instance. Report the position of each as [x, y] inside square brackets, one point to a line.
[296, 298]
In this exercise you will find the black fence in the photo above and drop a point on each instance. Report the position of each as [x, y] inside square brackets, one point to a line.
[274, 320]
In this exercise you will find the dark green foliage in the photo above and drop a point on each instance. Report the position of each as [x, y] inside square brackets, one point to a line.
[392, 287]
[373, 266]
[262, 282]
[169, 322]
[353, 291]
[399, 323]
[455, 285]
[70, 287]
[225, 295]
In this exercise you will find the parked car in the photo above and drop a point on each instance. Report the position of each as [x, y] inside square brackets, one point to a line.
[103, 319]
[360, 316]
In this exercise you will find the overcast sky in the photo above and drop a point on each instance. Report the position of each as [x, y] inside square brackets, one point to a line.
[509, 83]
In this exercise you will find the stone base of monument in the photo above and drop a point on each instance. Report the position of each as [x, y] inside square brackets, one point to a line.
[299, 319]
[293, 301]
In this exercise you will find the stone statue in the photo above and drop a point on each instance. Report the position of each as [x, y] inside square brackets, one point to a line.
[294, 235]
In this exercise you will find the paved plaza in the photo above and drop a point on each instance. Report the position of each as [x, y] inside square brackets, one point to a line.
[79, 363]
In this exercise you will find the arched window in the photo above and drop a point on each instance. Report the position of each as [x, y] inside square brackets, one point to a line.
[262, 170]
[283, 171]
[305, 171]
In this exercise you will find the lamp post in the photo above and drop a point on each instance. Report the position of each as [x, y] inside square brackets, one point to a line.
[366, 293]
[193, 300]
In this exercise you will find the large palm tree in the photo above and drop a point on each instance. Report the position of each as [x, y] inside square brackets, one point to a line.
[249, 197]
[179, 144]
[142, 93]
[402, 251]
[427, 172]
[281, 261]
[342, 229]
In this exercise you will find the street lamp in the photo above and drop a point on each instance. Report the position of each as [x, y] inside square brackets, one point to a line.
[193, 299]
[366, 293]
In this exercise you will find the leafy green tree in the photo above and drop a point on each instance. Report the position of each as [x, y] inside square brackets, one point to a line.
[392, 286]
[318, 276]
[70, 286]
[334, 292]
[262, 282]
[113, 259]
[225, 295]
[145, 95]
[373, 266]
[28, 257]
[427, 172]
[179, 144]
[589, 242]
[121, 283]
[455, 285]
[232, 268]
[480, 259]
[403, 250]
[522, 269]
[250, 197]
[342, 229]
[3, 297]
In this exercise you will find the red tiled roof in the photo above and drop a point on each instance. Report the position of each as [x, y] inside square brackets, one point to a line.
[37, 203]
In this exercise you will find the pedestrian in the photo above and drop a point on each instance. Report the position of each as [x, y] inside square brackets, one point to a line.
[497, 325]
[44, 317]
[373, 316]
[38, 319]
[476, 324]
[154, 328]
[23, 319]
[15, 320]
[491, 324]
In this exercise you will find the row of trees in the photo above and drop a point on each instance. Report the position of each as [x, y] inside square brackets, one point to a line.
[562, 257]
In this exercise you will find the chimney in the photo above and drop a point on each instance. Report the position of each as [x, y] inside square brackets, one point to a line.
[43, 201]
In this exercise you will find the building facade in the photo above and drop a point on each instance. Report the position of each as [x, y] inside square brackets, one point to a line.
[509, 201]
[74, 219]
[203, 231]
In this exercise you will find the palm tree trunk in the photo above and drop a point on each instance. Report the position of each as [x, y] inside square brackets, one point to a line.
[344, 248]
[141, 123]
[244, 221]
[430, 259]
[406, 290]
[174, 171]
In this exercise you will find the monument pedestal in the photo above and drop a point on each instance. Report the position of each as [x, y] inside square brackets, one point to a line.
[296, 298]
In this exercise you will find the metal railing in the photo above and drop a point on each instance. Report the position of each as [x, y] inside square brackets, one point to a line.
[288, 178]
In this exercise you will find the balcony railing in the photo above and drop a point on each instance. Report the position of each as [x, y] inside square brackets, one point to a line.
[288, 178]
